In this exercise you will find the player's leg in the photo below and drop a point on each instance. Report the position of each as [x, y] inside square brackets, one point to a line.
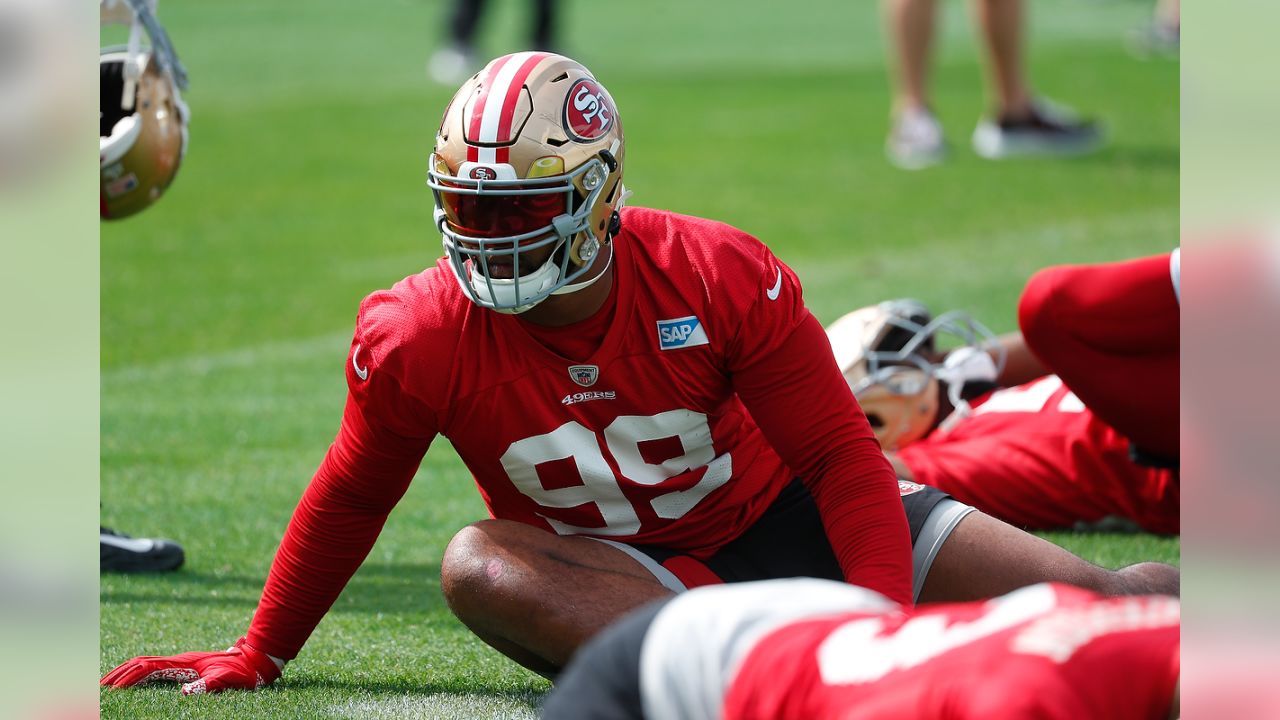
[1021, 124]
[1110, 331]
[535, 596]
[911, 27]
[451, 63]
[983, 557]
[1002, 27]
[915, 139]
[463, 22]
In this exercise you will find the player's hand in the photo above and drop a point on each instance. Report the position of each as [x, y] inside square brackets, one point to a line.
[241, 667]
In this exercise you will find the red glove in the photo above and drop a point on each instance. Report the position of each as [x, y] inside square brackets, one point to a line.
[241, 667]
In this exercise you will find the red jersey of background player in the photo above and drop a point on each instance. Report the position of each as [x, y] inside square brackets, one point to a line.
[632, 425]
[1035, 456]
[1047, 651]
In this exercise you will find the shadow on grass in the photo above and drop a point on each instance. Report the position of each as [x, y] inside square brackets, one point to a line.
[1140, 157]
[376, 588]
[407, 686]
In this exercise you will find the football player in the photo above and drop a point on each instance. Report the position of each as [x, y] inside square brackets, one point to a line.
[634, 392]
[807, 649]
[142, 136]
[1032, 454]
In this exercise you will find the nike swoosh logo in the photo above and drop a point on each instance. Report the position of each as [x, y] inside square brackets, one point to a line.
[772, 293]
[362, 372]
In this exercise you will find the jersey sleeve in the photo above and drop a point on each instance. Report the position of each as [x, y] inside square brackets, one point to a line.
[783, 370]
[384, 434]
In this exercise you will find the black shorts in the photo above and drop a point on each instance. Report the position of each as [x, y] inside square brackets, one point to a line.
[789, 541]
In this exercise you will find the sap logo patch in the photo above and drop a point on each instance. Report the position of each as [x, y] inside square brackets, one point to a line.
[681, 333]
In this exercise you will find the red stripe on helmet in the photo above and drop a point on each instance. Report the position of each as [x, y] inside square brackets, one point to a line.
[477, 110]
[513, 96]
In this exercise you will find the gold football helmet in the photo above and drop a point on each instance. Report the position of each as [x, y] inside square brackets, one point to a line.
[528, 162]
[142, 119]
[890, 356]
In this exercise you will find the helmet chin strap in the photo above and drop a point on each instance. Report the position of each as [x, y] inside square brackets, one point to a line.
[537, 277]
[962, 366]
[575, 287]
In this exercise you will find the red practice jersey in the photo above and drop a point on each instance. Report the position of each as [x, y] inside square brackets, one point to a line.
[1049, 652]
[710, 388]
[1036, 457]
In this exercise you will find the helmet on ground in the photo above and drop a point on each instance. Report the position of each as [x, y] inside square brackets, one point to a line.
[142, 119]
[891, 357]
[528, 162]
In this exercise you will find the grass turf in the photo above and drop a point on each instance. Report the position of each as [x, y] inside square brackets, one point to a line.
[227, 308]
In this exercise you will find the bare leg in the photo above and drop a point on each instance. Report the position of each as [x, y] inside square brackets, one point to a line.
[910, 24]
[536, 597]
[1002, 29]
[984, 557]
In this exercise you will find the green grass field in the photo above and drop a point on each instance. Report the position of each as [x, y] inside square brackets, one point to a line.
[227, 308]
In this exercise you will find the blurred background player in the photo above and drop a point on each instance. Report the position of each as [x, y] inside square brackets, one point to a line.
[987, 423]
[452, 63]
[142, 128]
[813, 649]
[1021, 123]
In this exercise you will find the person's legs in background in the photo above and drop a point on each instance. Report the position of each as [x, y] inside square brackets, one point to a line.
[1021, 124]
[451, 63]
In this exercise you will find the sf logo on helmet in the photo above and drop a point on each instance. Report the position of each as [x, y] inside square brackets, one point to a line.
[588, 110]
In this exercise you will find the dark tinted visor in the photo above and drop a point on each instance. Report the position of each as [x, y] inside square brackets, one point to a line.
[496, 216]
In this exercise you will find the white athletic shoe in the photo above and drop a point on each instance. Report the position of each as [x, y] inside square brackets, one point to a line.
[915, 141]
[1048, 130]
[450, 65]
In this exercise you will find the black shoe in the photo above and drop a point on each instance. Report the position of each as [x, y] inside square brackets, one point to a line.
[125, 554]
[1047, 130]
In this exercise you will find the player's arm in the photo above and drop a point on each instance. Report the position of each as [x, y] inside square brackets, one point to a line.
[783, 371]
[384, 434]
[365, 473]
[899, 466]
[1020, 365]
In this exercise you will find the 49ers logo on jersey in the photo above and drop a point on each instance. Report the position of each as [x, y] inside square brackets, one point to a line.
[906, 487]
[588, 111]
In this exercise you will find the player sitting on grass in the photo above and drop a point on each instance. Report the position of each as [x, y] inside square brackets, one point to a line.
[637, 397]
[1031, 454]
[806, 649]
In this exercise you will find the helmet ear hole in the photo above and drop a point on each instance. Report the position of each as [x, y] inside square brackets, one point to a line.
[111, 90]
[876, 421]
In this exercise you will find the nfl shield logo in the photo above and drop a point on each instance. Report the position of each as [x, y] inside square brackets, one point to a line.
[584, 375]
